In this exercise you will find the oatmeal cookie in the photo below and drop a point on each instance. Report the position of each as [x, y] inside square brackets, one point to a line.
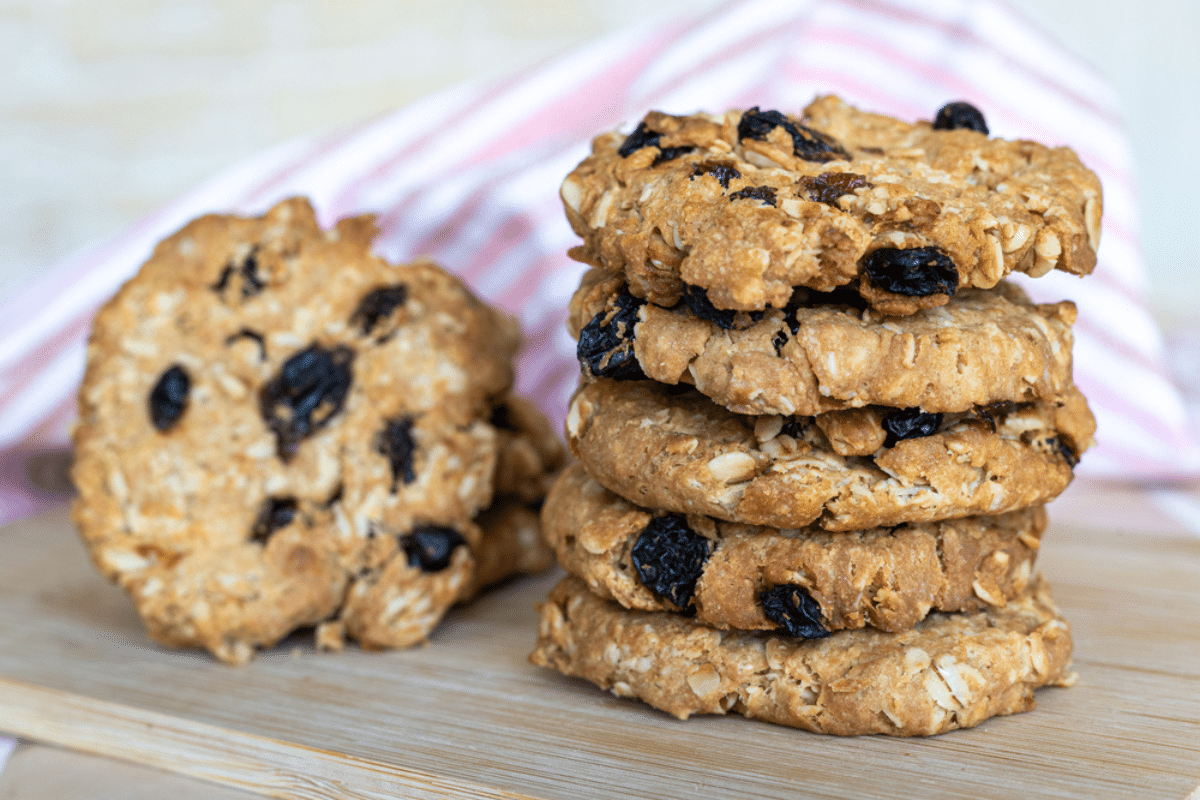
[404, 584]
[671, 448]
[950, 671]
[745, 206]
[821, 355]
[262, 379]
[804, 582]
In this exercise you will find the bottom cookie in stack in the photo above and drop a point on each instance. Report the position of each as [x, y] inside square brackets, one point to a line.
[950, 671]
[911, 629]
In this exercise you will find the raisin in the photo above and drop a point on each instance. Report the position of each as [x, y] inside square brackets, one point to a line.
[169, 397]
[795, 427]
[669, 558]
[909, 423]
[644, 137]
[956, 116]
[252, 283]
[276, 513]
[795, 612]
[724, 173]
[430, 547]
[807, 144]
[1067, 452]
[606, 347]
[308, 391]
[764, 193]
[395, 442]
[257, 338]
[992, 413]
[502, 418]
[779, 341]
[376, 305]
[829, 186]
[914, 272]
[730, 319]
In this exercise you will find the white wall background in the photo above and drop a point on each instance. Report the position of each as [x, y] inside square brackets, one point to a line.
[108, 108]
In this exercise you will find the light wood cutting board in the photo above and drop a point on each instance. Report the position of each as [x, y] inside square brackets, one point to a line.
[467, 716]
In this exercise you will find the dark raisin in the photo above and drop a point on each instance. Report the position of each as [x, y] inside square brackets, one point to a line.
[724, 173]
[790, 322]
[1067, 452]
[644, 137]
[395, 442]
[796, 426]
[795, 612]
[764, 193]
[807, 144]
[915, 272]
[276, 513]
[909, 423]
[669, 154]
[430, 547]
[829, 186]
[606, 343]
[641, 137]
[257, 338]
[992, 413]
[669, 558]
[502, 418]
[169, 397]
[308, 391]
[252, 283]
[698, 303]
[779, 341]
[955, 116]
[376, 305]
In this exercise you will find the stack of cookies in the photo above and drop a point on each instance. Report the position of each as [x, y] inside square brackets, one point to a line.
[280, 430]
[816, 429]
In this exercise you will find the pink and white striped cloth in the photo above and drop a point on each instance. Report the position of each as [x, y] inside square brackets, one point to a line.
[470, 177]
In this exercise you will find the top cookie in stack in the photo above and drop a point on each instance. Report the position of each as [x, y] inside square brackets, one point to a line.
[737, 211]
[815, 427]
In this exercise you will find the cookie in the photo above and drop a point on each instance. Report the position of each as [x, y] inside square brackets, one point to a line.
[405, 584]
[743, 207]
[671, 448]
[950, 671]
[262, 379]
[983, 347]
[804, 582]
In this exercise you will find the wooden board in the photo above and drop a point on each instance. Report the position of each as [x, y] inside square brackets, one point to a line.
[469, 717]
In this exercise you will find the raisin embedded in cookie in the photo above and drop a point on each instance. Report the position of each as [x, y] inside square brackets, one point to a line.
[804, 582]
[950, 671]
[260, 401]
[822, 352]
[746, 206]
[676, 450]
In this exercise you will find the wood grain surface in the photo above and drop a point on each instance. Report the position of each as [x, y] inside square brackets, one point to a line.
[467, 716]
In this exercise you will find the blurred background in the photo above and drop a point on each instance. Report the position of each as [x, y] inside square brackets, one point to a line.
[109, 108]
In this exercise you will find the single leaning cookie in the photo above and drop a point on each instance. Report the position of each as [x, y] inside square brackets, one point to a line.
[742, 208]
[671, 448]
[262, 402]
[821, 354]
[950, 671]
[804, 583]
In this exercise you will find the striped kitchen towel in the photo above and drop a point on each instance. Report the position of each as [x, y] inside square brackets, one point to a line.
[470, 177]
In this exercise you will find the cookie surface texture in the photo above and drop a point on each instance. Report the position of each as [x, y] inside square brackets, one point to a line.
[261, 379]
[887, 578]
[669, 448]
[983, 347]
[747, 205]
[950, 671]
